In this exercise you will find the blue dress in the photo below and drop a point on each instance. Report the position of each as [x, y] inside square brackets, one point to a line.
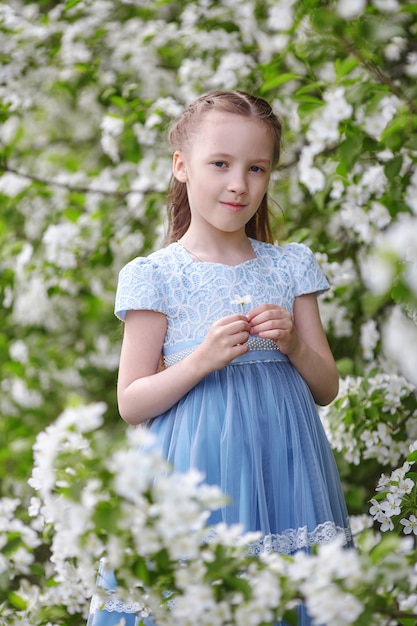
[253, 427]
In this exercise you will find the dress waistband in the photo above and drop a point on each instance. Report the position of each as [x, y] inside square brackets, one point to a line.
[260, 349]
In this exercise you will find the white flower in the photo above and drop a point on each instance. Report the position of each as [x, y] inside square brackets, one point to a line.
[359, 522]
[411, 66]
[323, 129]
[19, 351]
[405, 485]
[375, 125]
[375, 509]
[12, 184]
[369, 338]
[391, 506]
[331, 606]
[386, 522]
[280, 16]
[349, 9]
[408, 603]
[379, 215]
[394, 48]
[241, 301]
[22, 559]
[313, 179]
[112, 125]
[337, 108]
[386, 5]
[400, 342]
[59, 241]
[410, 525]
[337, 190]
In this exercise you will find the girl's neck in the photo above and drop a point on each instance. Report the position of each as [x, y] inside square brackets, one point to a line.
[230, 249]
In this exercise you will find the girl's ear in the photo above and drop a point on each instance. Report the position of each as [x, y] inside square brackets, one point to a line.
[178, 167]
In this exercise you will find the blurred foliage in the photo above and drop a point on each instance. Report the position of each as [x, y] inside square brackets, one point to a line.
[88, 90]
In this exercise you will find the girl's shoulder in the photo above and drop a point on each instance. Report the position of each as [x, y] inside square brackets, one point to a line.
[294, 262]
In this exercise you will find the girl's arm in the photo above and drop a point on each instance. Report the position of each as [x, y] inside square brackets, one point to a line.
[142, 391]
[301, 337]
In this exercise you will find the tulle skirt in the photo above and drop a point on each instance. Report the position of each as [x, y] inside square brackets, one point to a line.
[253, 429]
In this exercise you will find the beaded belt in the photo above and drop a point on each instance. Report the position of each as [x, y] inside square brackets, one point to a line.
[254, 343]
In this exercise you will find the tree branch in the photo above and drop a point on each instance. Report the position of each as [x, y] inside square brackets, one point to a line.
[382, 78]
[117, 193]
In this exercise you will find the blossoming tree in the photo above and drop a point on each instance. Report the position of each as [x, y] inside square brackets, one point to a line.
[87, 91]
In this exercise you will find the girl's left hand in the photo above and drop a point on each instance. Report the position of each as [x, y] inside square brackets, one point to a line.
[271, 321]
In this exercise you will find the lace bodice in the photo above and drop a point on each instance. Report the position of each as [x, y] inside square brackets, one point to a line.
[195, 294]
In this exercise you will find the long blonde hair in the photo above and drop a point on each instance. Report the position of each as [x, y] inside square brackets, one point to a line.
[237, 102]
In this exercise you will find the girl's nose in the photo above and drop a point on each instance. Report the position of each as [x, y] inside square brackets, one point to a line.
[237, 183]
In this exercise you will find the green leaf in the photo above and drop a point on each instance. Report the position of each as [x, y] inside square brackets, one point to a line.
[393, 167]
[407, 621]
[141, 569]
[345, 366]
[291, 617]
[238, 584]
[412, 457]
[106, 516]
[310, 88]
[399, 293]
[345, 66]
[278, 80]
[395, 134]
[71, 4]
[389, 543]
[17, 601]
[411, 142]
[409, 8]
[305, 108]
[350, 149]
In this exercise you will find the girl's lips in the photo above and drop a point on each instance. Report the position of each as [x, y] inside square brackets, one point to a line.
[233, 206]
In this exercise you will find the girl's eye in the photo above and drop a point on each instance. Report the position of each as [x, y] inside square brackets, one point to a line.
[219, 163]
[256, 168]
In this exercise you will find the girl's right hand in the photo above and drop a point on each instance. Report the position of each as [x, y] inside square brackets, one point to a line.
[226, 339]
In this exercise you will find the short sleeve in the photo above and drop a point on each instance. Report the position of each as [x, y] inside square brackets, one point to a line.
[307, 273]
[140, 287]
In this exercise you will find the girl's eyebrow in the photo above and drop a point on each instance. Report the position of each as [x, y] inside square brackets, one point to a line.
[224, 155]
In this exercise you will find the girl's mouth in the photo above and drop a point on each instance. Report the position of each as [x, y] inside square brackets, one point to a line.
[233, 206]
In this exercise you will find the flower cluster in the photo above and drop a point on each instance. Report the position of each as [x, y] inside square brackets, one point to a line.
[394, 507]
[353, 421]
[119, 500]
[85, 103]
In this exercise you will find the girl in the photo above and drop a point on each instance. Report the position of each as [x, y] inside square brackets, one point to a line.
[236, 320]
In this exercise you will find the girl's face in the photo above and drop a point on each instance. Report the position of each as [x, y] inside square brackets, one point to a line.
[226, 167]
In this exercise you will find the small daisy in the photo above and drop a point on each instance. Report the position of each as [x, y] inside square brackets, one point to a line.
[241, 300]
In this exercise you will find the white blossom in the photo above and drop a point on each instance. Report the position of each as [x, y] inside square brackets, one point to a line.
[400, 343]
[12, 185]
[313, 179]
[349, 9]
[388, 6]
[411, 65]
[391, 506]
[369, 338]
[60, 242]
[394, 48]
[19, 351]
[241, 301]
[280, 15]
[410, 525]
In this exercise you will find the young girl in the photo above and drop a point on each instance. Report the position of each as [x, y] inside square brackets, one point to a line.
[236, 320]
